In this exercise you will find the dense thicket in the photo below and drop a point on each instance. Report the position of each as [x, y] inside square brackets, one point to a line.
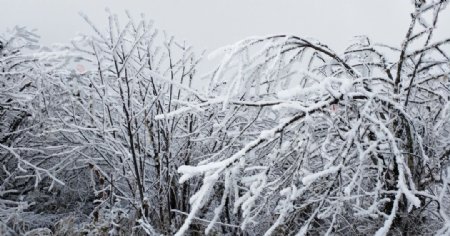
[112, 135]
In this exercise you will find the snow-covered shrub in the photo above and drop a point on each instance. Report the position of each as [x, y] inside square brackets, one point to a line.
[316, 142]
[22, 163]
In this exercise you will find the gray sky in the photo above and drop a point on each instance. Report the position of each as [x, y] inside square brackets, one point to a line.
[208, 24]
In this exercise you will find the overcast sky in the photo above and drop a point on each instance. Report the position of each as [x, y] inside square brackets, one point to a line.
[208, 24]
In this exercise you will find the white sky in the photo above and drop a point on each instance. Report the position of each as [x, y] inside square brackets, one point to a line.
[208, 24]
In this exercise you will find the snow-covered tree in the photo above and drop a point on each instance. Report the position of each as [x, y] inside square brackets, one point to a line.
[135, 73]
[308, 141]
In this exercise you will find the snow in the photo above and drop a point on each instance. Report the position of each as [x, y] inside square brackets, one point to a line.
[309, 179]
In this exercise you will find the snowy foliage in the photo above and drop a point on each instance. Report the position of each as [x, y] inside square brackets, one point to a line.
[320, 143]
[110, 136]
